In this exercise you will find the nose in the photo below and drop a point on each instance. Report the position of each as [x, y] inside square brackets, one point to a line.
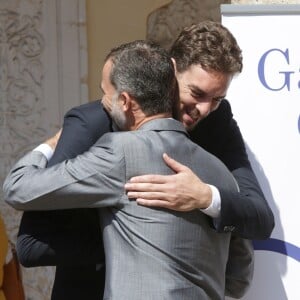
[205, 108]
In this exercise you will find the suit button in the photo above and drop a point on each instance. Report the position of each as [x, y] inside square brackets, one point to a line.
[230, 228]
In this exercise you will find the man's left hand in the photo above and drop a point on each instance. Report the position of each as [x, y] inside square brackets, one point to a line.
[52, 142]
[183, 191]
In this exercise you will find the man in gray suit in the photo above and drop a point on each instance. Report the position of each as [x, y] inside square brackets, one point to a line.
[150, 253]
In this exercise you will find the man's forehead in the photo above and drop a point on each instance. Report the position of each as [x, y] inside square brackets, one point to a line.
[199, 80]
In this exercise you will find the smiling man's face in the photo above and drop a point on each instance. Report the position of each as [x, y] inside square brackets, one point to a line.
[200, 93]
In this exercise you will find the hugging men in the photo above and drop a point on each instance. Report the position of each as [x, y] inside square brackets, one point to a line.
[207, 57]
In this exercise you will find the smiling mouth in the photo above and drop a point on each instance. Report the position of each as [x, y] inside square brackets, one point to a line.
[188, 120]
[193, 114]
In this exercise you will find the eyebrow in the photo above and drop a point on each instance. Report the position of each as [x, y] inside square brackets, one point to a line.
[196, 90]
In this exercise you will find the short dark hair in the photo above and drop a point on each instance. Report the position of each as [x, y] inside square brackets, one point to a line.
[209, 44]
[146, 72]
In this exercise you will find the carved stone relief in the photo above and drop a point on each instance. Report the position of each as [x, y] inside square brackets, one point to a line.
[39, 81]
[165, 23]
[21, 81]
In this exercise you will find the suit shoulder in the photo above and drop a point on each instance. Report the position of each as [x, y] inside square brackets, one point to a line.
[119, 136]
[91, 108]
[222, 113]
[119, 140]
[92, 115]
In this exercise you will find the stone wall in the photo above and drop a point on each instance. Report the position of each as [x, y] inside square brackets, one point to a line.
[39, 81]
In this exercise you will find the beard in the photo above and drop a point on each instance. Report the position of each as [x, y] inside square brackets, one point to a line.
[118, 116]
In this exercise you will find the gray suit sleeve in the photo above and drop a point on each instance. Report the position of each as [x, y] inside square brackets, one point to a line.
[93, 179]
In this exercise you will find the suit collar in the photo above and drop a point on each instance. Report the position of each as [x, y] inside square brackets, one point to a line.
[163, 124]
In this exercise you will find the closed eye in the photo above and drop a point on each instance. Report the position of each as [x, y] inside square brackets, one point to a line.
[219, 99]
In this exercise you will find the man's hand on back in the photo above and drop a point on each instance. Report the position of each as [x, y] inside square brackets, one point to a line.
[183, 191]
[52, 142]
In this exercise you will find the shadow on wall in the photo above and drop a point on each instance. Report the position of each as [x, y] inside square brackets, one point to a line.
[271, 254]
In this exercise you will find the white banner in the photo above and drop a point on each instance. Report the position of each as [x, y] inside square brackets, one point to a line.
[265, 101]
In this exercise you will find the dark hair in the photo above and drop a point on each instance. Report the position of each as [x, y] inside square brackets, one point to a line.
[209, 44]
[145, 71]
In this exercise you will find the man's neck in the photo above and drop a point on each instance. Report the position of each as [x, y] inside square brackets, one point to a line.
[144, 120]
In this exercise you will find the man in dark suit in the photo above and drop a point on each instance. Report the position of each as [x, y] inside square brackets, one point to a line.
[246, 213]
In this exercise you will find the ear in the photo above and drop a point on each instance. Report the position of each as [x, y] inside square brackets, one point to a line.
[125, 101]
[174, 64]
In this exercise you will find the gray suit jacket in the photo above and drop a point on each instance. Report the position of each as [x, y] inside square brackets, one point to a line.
[150, 253]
